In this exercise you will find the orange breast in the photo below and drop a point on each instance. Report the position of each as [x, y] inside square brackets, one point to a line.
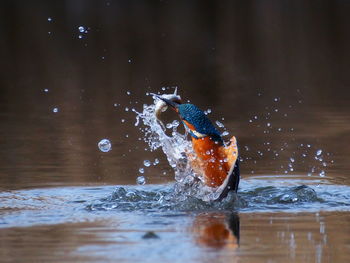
[210, 160]
[213, 160]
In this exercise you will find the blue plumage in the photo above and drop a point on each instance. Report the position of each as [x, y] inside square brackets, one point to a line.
[199, 120]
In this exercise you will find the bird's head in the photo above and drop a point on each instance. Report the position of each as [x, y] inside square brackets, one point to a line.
[195, 120]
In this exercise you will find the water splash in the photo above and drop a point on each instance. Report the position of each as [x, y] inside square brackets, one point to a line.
[256, 195]
[74, 204]
[176, 148]
[159, 198]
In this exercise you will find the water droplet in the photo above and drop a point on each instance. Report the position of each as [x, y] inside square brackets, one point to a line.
[55, 110]
[104, 145]
[175, 123]
[279, 129]
[309, 145]
[46, 90]
[140, 180]
[309, 174]
[156, 161]
[225, 133]
[49, 19]
[256, 117]
[129, 60]
[268, 124]
[208, 110]
[141, 170]
[276, 99]
[80, 36]
[169, 125]
[292, 159]
[319, 152]
[81, 29]
[126, 109]
[137, 123]
[324, 164]
[219, 124]
[122, 120]
[322, 173]
[250, 121]
[128, 92]
[147, 163]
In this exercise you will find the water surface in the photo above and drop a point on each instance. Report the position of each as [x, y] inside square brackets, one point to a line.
[275, 74]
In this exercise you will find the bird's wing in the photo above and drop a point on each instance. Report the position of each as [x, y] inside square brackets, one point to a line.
[232, 179]
[231, 182]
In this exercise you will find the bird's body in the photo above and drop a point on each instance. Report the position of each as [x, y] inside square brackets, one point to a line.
[211, 159]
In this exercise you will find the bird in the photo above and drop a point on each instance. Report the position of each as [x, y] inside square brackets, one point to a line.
[217, 162]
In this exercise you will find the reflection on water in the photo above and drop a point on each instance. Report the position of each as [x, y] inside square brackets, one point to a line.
[213, 236]
[217, 230]
[94, 224]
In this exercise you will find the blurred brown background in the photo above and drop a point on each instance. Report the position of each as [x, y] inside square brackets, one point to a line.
[234, 57]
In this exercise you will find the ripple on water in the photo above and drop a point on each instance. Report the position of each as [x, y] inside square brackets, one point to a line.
[255, 197]
[76, 204]
[157, 198]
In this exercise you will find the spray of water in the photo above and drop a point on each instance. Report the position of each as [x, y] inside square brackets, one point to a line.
[176, 148]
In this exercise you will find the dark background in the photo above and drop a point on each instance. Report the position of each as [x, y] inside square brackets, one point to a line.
[234, 57]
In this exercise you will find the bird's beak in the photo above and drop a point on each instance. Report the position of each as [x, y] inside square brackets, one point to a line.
[174, 105]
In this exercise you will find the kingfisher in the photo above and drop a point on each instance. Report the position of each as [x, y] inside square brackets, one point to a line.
[217, 162]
